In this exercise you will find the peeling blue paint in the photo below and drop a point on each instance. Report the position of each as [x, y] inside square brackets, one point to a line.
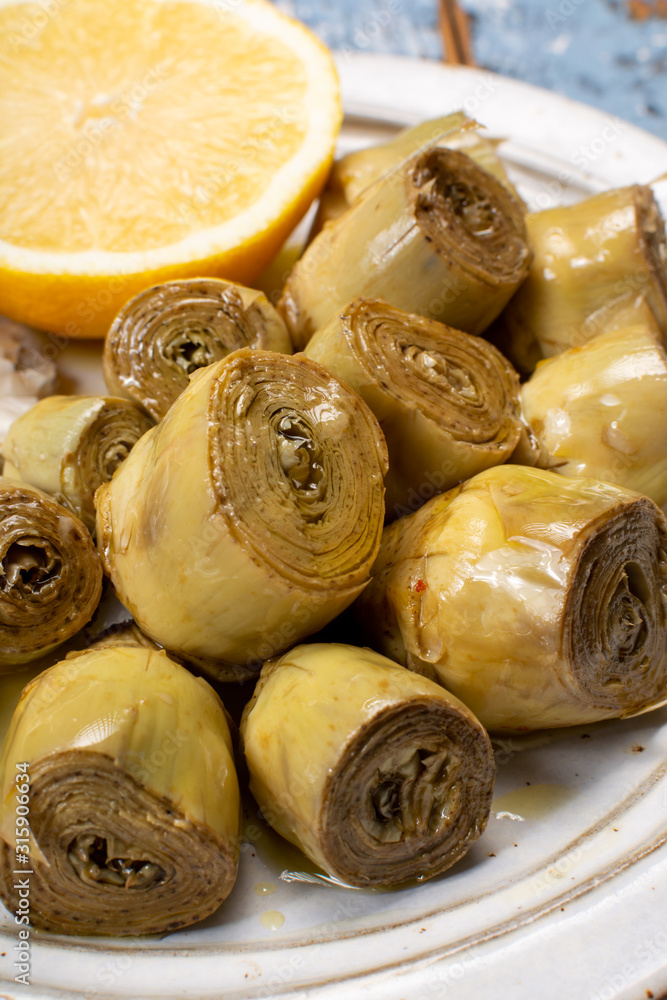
[590, 50]
[399, 27]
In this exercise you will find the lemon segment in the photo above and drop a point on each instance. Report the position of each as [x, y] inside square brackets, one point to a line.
[181, 138]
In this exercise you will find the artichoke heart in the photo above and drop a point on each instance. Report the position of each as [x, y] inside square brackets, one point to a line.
[601, 410]
[50, 574]
[447, 402]
[353, 173]
[377, 774]
[437, 235]
[134, 807]
[67, 446]
[250, 516]
[592, 260]
[538, 600]
[164, 334]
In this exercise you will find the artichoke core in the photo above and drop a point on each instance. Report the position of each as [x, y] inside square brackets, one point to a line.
[28, 565]
[114, 456]
[438, 366]
[89, 857]
[190, 351]
[300, 456]
[445, 196]
[472, 207]
[628, 631]
[410, 797]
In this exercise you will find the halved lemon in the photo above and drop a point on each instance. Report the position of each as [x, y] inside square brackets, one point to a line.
[149, 140]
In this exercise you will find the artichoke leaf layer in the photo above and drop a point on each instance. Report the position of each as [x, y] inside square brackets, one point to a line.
[447, 402]
[591, 260]
[251, 515]
[134, 807]
[50, 574]
[168, 332]
[437, 235]
[377, 774]
[601, 410]
[67, 446]
[537, 599]
[354, 173]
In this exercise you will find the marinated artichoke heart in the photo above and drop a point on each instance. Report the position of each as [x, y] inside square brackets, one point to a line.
[134, 808]
[352, 174]
[601, 410]
[377, 774]
[50, 574]
[67, 446]
[167, 332]
[592, 260]
[437, 235]
[447, 402]
[250, 516]
[538, 600]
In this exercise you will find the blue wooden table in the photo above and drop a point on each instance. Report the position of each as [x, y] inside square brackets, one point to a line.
[609, 53]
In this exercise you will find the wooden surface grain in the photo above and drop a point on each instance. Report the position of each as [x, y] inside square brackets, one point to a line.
[609, 53]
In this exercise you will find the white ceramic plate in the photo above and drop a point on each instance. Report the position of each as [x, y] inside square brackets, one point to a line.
[565, 895]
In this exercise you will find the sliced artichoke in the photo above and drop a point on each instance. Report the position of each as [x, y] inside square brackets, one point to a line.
[167, 332]
[377, 774]
[601, 410]
[538, 600]
[134, 808]
[437, 235]
[592, 260]
[353, 173]
[250, 516]
[447, 402]
[67, 446]
[50, 574]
